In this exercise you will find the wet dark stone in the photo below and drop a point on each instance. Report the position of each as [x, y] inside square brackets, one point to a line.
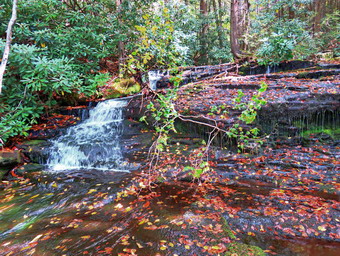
[164, 82]
[82, 113]
[318, 74]
[36, 150]
[283, 66]
[10, 158]
[329, 66]
[46, 133]
[3, 172]
[29, 168]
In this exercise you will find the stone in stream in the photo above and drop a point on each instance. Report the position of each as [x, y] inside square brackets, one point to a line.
[10, 158]
[35, 150]
[29, 168]
[3, 172]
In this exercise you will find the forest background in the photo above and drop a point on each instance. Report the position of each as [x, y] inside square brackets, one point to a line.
[64, 51]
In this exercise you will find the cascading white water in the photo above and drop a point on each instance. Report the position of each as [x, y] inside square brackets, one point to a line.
[92, 144]
[154, 77]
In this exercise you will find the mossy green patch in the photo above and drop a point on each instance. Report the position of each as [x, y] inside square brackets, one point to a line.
[334, 133]
[122, 87]
[227, 229]
[239, 249]
[34, 142]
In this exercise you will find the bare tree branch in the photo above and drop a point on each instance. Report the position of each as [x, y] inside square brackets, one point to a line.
[8, 42]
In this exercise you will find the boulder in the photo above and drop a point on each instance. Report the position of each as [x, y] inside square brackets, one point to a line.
[29, 168]
[3, 172]
[35, 150]
[10, 158]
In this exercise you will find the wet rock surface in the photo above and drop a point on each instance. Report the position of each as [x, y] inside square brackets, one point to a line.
[135, 142]
[36, 150]
[296, 95]
[10, 158]
[284, 66]
[284, 200]
[286, 196]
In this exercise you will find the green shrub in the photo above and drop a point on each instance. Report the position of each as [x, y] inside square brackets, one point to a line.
[17, 121]
[32, 80]
[329, 36]
[281, 31]
[285, 40]
[56, 51]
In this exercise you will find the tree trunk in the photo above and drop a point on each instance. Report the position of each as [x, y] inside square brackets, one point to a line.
[319, 14]
[218, 23]
[239, 21]
[121, 45]
[321, 9]
[204, 31]
[8, 42]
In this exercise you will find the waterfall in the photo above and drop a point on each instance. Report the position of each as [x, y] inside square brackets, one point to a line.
[272, 69]
[155, 76]
[92, 144]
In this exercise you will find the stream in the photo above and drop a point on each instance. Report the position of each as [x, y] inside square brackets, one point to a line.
[85, 201]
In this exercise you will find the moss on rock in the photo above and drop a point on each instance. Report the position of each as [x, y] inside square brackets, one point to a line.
[239, 249]
[122, 87]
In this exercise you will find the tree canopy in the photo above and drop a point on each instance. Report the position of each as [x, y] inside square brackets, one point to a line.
[64, 50]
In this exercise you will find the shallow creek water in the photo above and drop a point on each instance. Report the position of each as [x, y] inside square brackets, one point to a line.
[77, 213]
[79, 205]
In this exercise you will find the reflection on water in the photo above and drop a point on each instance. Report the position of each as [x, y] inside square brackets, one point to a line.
[90, 212]
[83, 212]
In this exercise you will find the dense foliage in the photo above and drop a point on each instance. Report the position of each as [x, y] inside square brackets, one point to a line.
[286, 29]
[63, 50]
[55, 52]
